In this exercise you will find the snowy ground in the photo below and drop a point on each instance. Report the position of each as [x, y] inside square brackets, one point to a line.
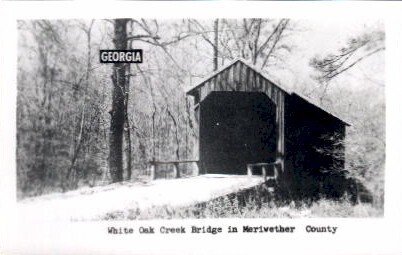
[93, 203]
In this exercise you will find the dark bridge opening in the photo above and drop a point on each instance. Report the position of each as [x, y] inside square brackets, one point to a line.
[236, 129]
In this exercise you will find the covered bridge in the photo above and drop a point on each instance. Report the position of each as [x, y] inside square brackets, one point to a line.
[249, 124]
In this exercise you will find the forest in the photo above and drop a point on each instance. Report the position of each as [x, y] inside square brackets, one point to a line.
[81, 123]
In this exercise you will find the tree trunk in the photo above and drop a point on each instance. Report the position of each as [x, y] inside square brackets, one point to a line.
[216, 26]
[177, 152]
[79, 141]
[187, 120]
[128, 128]
[117, 113]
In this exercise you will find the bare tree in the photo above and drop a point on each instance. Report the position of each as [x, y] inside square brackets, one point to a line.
[216, 41]
[81, 122]
[118, 107]
[356, 50]
[261, 41]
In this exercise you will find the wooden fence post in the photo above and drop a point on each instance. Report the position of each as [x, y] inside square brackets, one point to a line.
[152, 171]
[277, 169]
[249, 170]
[176, 170]
[264, 173]
[197, 169]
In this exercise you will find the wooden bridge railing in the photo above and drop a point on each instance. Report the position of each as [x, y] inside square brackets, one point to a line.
[153, 165]
[264, 166]
[250, 167]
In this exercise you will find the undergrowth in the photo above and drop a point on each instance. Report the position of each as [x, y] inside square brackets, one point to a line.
[238, 207]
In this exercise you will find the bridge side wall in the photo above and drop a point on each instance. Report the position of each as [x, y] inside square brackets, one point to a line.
[315, 149]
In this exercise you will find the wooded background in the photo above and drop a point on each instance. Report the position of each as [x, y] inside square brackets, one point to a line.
[66, 98]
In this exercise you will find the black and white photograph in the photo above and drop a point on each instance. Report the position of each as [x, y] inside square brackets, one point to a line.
[141, 119]
[200, 127]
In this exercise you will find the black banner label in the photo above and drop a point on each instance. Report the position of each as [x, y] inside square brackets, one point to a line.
[120, 56]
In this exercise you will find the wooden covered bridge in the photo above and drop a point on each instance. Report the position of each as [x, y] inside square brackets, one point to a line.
[249, 125]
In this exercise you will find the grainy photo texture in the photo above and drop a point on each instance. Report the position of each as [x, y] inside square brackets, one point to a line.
[158, 119]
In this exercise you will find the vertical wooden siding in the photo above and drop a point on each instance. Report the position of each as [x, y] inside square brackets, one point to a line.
[240, 77]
